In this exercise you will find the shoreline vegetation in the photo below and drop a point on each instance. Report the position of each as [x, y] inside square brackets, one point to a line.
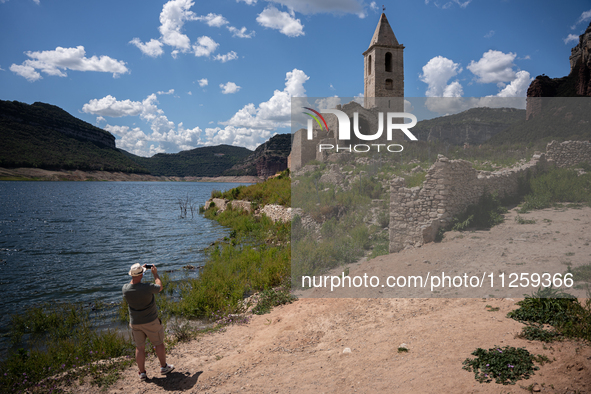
[38, 174]
[247, 271]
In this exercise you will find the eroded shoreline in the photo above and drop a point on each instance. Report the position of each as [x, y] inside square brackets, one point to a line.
[37, 174]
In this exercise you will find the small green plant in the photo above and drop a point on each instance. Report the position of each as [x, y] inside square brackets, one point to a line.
[503, 365]
[402, 350]
[521, 220]
[270, 298]
[537, 333]
[581, 273]
[491, 308]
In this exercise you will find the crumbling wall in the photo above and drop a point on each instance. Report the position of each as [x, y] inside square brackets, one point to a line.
[450, 186]
[416, 214]
[568, 153]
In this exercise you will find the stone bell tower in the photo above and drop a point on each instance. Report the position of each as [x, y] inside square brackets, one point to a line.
[383, 65]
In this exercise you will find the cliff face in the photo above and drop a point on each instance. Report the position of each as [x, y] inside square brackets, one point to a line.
[580, 63]
[576, 84]
[267, 160]
[51, 117]
[474, 127]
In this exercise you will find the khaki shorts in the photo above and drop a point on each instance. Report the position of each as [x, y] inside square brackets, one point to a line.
[153, 330]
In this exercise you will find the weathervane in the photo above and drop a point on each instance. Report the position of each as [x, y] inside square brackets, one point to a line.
[383, 7]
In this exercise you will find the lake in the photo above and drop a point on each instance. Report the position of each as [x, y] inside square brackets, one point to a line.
[75, 241]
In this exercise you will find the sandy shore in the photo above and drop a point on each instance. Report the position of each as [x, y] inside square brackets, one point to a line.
[63, 175]
[301, 347]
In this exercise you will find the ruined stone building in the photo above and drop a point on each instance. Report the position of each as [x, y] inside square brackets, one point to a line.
[383, 76]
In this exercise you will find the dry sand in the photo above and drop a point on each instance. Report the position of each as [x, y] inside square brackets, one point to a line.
[300, 348]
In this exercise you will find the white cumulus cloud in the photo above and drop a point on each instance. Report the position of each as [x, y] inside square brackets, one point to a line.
[436, 73]
[517, 87]
[152, 48]
[275, 112]
[240, 33]
[56, 62]
[272, 18]
[494, 66]
[165, 136]
[214, 20]
[227, 57]
[110, 106]
[203, 82]
[571, 38]
[172, 19]
[249, 2]
[205, 46]
[229, 88]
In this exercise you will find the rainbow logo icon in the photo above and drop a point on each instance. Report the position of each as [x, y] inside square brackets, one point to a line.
[316, 118]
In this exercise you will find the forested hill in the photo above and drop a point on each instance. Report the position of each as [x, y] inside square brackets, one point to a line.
[45, 136]
[207, 161]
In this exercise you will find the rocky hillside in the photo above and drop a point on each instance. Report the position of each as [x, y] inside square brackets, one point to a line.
[576, 84]
[45, 136]
[16, 115]
[267, 160]
[474, 126]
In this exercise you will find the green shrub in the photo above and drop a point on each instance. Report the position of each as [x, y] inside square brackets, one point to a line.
[558, 309]
[503, 365]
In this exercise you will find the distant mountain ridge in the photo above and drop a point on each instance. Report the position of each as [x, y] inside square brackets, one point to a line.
[45, 136]
[200, 162]
[474, 126]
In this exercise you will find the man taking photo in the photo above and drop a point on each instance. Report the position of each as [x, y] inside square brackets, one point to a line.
[143, 315]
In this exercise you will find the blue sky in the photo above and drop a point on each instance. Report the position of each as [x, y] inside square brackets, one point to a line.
[169, 76]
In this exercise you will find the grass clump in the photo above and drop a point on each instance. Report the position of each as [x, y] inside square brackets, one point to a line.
[273, 191]
[557, 185]
[503, 365]
[56, 344]
[486, 213]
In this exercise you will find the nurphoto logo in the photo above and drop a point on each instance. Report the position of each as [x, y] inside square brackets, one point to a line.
[393, 120]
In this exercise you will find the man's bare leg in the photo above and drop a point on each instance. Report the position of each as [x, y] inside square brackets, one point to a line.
[161, 353]
[140, 359]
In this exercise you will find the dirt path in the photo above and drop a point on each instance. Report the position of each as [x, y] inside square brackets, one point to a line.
[301, 347]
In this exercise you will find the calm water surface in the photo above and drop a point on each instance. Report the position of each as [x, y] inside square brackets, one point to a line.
[75, 241]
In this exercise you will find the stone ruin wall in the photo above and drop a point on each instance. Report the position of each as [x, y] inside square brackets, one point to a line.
[416, 214]
[568, 153]
[450, 186]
